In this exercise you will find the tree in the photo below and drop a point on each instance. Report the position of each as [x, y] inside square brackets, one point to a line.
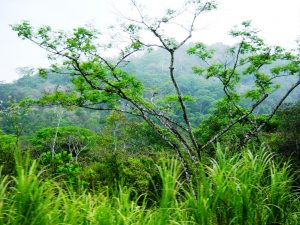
[74, 140]
[59, 113]
[13, 117]
[8, 147]
[128, 135]
[286, 137]
[101, 83]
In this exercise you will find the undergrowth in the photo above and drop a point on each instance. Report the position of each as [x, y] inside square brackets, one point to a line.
[243, 188]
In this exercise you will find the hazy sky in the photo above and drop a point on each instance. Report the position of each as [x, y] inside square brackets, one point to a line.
[278, 20]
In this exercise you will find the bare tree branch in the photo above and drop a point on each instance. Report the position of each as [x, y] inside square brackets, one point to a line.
[227, 128]
[255, 130]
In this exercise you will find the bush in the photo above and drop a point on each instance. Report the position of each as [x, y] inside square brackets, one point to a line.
[242, 188]
[8, 147]
[120, 169]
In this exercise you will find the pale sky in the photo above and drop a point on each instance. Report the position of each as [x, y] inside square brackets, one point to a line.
[278, 20]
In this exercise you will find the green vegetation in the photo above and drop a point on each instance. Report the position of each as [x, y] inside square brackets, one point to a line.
[244, 188]
[184, 133]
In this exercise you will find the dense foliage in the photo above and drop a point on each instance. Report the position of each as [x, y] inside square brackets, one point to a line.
[135, 138]
[238, 188]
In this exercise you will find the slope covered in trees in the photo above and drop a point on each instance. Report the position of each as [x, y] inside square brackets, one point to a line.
[151, 68]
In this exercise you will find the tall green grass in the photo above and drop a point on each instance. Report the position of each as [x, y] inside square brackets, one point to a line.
[243, 188]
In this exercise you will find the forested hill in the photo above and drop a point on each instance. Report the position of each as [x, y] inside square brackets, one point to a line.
[150, 68]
